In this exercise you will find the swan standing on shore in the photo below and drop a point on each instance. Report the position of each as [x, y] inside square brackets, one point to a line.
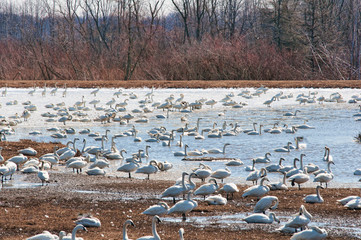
[301, 220]
[175, 190]
[229, 188]
[207, 189]
[159, 209]
[184, 206]
[152, 168]
[299, 178]
[258, 190]
[265, 203]
[130, 167]
[325, 177]
[221, 173]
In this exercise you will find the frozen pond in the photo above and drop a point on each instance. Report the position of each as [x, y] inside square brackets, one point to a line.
[333, 122]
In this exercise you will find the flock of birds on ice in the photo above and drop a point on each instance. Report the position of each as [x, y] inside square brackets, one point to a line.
[96, 158]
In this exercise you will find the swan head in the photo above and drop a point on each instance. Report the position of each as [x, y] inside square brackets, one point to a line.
[319, 187]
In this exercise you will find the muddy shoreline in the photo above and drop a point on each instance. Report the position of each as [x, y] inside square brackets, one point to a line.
[55, 207]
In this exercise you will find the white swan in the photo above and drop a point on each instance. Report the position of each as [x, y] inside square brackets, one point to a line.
[130, 167]
[279, 185]
[175, 190]
[152, 168]
[184, 206]
[295, 171]
[345, 200]
[252, 167]
[229, 188]
[265, 203]
[73, 233]
[155, 236]
[216, 200]
[88, 221]
[291, 114]
[256, 132]
[301, 220]
[235, 162]
[261, 218]
[257, 191]
[181, 232]
[221, 173]
[327, 157]
[264, 159]
[314, 198]
[257, 174]
[218, 151]
[44, 236]
[181, 153]
[325, 177]
[275, 167]
[283, 149]
[125, 225]
[159, 209]
[354, 204]
[314, 233]
[207, 189]
[300, 178]
[203, 171]
[18, 159]
[43, 174]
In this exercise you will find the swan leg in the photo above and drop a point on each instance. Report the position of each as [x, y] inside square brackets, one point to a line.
[184, 218]
[173, 200]
[299, 187]
[129, 175]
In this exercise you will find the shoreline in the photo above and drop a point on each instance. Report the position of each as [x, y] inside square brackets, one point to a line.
[183, 83]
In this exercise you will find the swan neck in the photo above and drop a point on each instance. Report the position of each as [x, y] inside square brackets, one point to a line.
[154, 229]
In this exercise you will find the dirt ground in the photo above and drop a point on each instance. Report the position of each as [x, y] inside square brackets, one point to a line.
[55, 207]
[185, 84]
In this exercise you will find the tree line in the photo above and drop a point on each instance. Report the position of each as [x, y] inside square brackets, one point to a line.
[180, 39]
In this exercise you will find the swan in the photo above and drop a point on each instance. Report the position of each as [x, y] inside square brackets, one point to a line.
[190, 185]
[251, 168]
[218, 151]
[268, 102]
[43, 174]
[288, 168]
[64, 149]
[18, 159]
[299, 178]
[28, 151]
[88, 221]
[130, 167]
[258, 190]
[159, 209]
[181, 233]
[184, 206]
[207, 189]
[275, 167]
[325, 177]
[126, 223]
[257, 174]
[229, 188]
[314, 198]
[264, 159]
[45, 235]
[203, 171]
[345, 200]
[181, 153]
[256, 132]
[304, 126]
[95, 171]
[155, 236]
[354, 204]
[73, 233]
[327, 157]
[314, 233]
[64, 119]
[301, 220]
[175, 190]
[279, 185]
[261, 218]
[216, 200]
[297, 170]
[283, 149]
[152, 168]
[291, 114]
[221, 173]
[267, 202]
[165, 166]
[236, 162]
[78, 163]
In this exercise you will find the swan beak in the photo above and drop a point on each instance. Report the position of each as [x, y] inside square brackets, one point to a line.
[84, 228]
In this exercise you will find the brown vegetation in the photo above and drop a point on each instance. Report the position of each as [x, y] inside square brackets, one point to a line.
[184, 40]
